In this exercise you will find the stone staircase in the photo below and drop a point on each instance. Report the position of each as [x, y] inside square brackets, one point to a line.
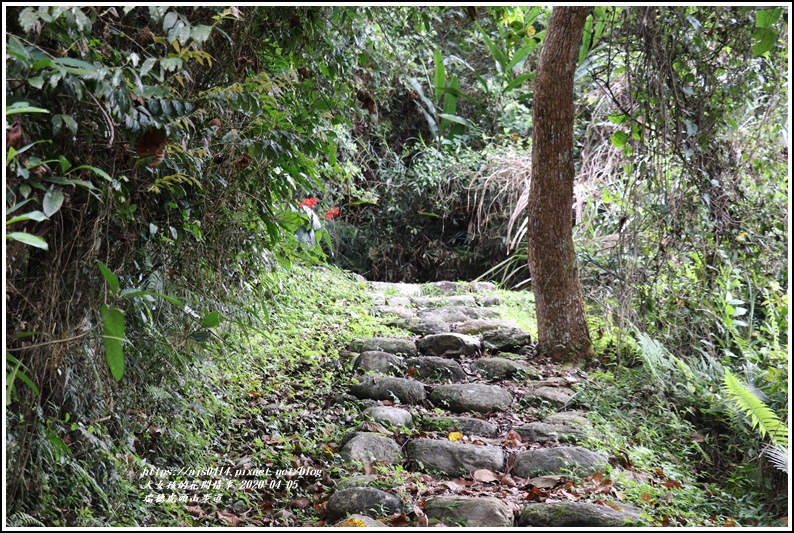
[444, 403]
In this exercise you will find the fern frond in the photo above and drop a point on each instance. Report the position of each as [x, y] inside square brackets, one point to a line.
[658, 360]
[158, 393]
[762, 418]
[778, 456]
[23, 520]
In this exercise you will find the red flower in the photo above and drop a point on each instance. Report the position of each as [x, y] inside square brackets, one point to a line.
[331, 213]
[308, 202]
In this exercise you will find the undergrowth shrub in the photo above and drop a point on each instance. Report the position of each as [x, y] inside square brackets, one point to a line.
[442, 215]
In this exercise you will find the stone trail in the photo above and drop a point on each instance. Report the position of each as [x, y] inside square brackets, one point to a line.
[463, 374]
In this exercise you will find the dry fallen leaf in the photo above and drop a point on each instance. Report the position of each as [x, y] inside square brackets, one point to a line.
[421, 517]
[373, 427]
[400, 520]
[512, 439]
[196, 511]
[484, 476]
[228, 517]
[607, 503]
[545, 482]
[508, 480]
[451, 485]
[299, 503]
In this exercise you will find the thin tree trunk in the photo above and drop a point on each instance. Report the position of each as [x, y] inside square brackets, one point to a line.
[562, 328]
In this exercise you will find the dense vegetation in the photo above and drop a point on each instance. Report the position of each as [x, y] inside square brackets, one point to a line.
[164, 165]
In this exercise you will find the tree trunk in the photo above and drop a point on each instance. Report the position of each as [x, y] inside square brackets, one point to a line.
[562, 328]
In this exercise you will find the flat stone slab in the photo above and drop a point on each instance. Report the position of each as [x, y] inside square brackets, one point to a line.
[398, 301]
[448, 345]
[383, 344]
[380, 362]
[365, 448]
[402, 312]
[457, 313]
[358, 520]
[569, 418]
[507, 339]
[556, 396]
[466, 425]
[435, 369]
[489, 300]
[482, 286]
[453, 458]
[543, 432]
[421, 326]
[468, 512]
[479, 325]
[531, 463]
[391, 416]
[367, 501]
[476, 397]
[430, 301]
[403, 289]
[446, 287]
[376, 387]
[499, 368]
[575, 514]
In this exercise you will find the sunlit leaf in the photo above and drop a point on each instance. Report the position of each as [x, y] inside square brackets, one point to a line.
[53, 200]
[113, 330]
[211, 320]
[619, 139]
[764, 39]
[27, 238]
[38, 216]
[110, 277]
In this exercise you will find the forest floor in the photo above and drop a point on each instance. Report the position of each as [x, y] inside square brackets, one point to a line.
[359, 403]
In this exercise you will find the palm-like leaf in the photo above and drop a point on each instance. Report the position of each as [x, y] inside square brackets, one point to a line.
[778, 456]
[761, 416]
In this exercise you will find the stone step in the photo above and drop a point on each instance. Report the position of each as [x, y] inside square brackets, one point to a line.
[378, 387]
[383, 344]
[464, 424]
[457, 313]
[435, 369]
[465, 511]
[499, 368]
[453, 458]
[403, 289]
[366, 501]
[364, 448]
[477, 397]
[448, 345]
[531, 463]
[578, 514]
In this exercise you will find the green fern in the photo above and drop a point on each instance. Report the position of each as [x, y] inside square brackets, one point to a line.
[778, 456]
[23, 520]
[763, 419]
[658, 361]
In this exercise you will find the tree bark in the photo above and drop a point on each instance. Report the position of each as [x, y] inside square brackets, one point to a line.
[562, 328]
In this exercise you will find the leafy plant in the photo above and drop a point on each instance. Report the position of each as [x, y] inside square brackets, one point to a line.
[762, 418]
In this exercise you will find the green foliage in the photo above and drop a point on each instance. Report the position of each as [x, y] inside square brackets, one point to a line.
[763, 419]
[11, 376]
[151, 207]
